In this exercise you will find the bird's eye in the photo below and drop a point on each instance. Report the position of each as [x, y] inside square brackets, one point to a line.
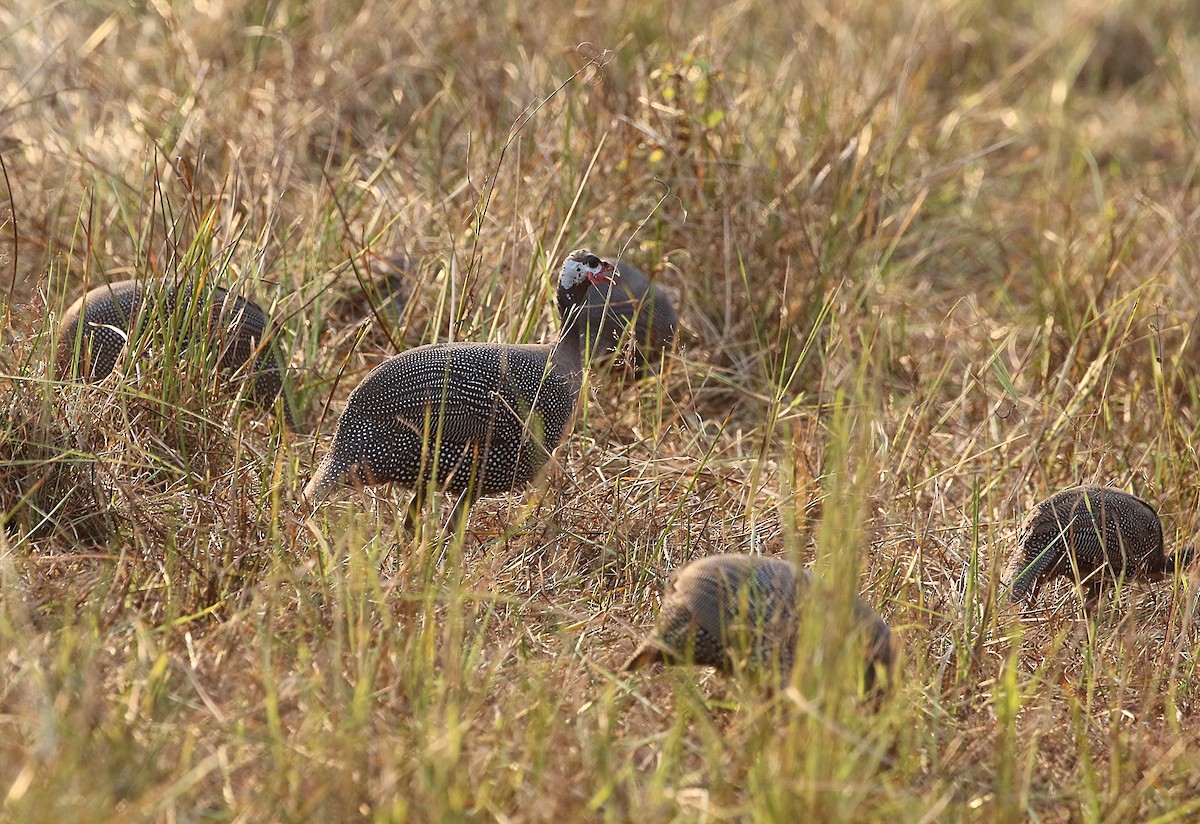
[592, 261]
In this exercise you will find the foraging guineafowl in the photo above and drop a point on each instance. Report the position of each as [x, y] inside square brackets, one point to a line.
[629, 297]
[1095, 531]
[724, 608]
[94, 330]
[470, 418]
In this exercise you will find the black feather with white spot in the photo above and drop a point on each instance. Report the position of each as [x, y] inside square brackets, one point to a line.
[95, 329]
[480, 418]
[728, 608]
[1096, 531]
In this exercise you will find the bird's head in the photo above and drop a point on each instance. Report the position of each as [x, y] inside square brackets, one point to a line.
[580, 267]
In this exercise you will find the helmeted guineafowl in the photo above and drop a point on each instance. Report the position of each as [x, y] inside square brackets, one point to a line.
[470, 418]
[94, 331]
[723, 608]
[1095, 532]
[629, 297]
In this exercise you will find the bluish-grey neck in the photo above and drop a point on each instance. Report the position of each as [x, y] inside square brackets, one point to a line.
[569, 351]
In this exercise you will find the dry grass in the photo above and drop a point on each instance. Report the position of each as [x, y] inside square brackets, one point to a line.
[934, 262]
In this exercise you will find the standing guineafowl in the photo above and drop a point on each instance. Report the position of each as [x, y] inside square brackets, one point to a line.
[95, 329]
[1093, 532]
[629, 298]
[728, 608]
[470, 418]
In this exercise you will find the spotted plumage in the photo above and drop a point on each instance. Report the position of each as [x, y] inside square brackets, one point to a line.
[629, 298]
[94, 331]
[1095, 531]
[725, 608]
[464, 417]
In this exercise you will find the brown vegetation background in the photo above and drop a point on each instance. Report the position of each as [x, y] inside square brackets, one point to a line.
[933, 261]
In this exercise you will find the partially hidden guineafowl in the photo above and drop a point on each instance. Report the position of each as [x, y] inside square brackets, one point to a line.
[629, 298]
[1095, 532]
[725, 608]
[469, 418]
[95, 329]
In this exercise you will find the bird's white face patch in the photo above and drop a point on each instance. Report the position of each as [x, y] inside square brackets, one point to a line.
[573, 274]
[576, 270]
